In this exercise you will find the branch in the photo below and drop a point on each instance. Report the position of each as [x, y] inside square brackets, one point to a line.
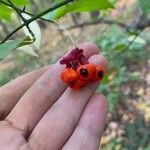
[22, 18]
[98, 21]
[142, 24]
[5, 3]
[36, 17]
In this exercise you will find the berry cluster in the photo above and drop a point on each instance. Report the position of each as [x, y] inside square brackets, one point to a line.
[79, 71]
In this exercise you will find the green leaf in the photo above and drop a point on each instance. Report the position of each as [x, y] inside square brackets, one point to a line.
[84, 5]
[29, 50]
[10, 46]
[145, 6]
[112, 100]
[5, 12]
[26, 41]
[58, 1]
[120, 47]
[105, 79]
[20, 2]
[136, 39]
[80, 6]
[35, 30]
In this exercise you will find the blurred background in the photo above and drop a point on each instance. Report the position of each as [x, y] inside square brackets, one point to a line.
[123, 36]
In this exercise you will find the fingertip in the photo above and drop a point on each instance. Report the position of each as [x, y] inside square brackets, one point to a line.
[89, 47]
[99, 60]
[104, 62]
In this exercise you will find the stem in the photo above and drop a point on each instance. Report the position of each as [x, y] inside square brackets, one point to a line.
[23, 19]
[63, 28]
[36, 17]
[4, 3]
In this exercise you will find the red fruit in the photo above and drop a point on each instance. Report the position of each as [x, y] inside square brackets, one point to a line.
[77, 84]
[69, 75]
[86, 72]
[99, 73]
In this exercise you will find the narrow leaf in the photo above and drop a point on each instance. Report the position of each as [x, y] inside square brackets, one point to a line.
[28, 49]
[20, 2]
[137, 40]
[26, 41]
[80, 6]
[5, 12]
[8, 47]
[120, 47]
[35, 29]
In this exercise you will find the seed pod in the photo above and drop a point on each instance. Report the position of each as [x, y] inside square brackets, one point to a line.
[86, 72]
[99, 74]
[77, 84]
[69, 75]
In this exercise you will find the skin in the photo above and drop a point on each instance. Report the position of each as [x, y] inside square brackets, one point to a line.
[39, 112]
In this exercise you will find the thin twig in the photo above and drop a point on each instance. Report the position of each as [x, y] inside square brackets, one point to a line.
[142, 24]
[98, 21]
[36, 17]
[22, 10]
[64, 29]
[23, 19]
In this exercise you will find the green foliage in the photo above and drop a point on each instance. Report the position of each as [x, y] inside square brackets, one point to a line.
[8, 47]
[79, 6]
[12, 45]
[5, 13]
[137, 135]
[76, 6]
[114, 144]
[34, 27]
[21, 64]
[112, 43]
[145, 6]
[147, 148]
[20, 2]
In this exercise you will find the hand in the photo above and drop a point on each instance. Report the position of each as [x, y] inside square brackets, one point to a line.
[39, 112]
